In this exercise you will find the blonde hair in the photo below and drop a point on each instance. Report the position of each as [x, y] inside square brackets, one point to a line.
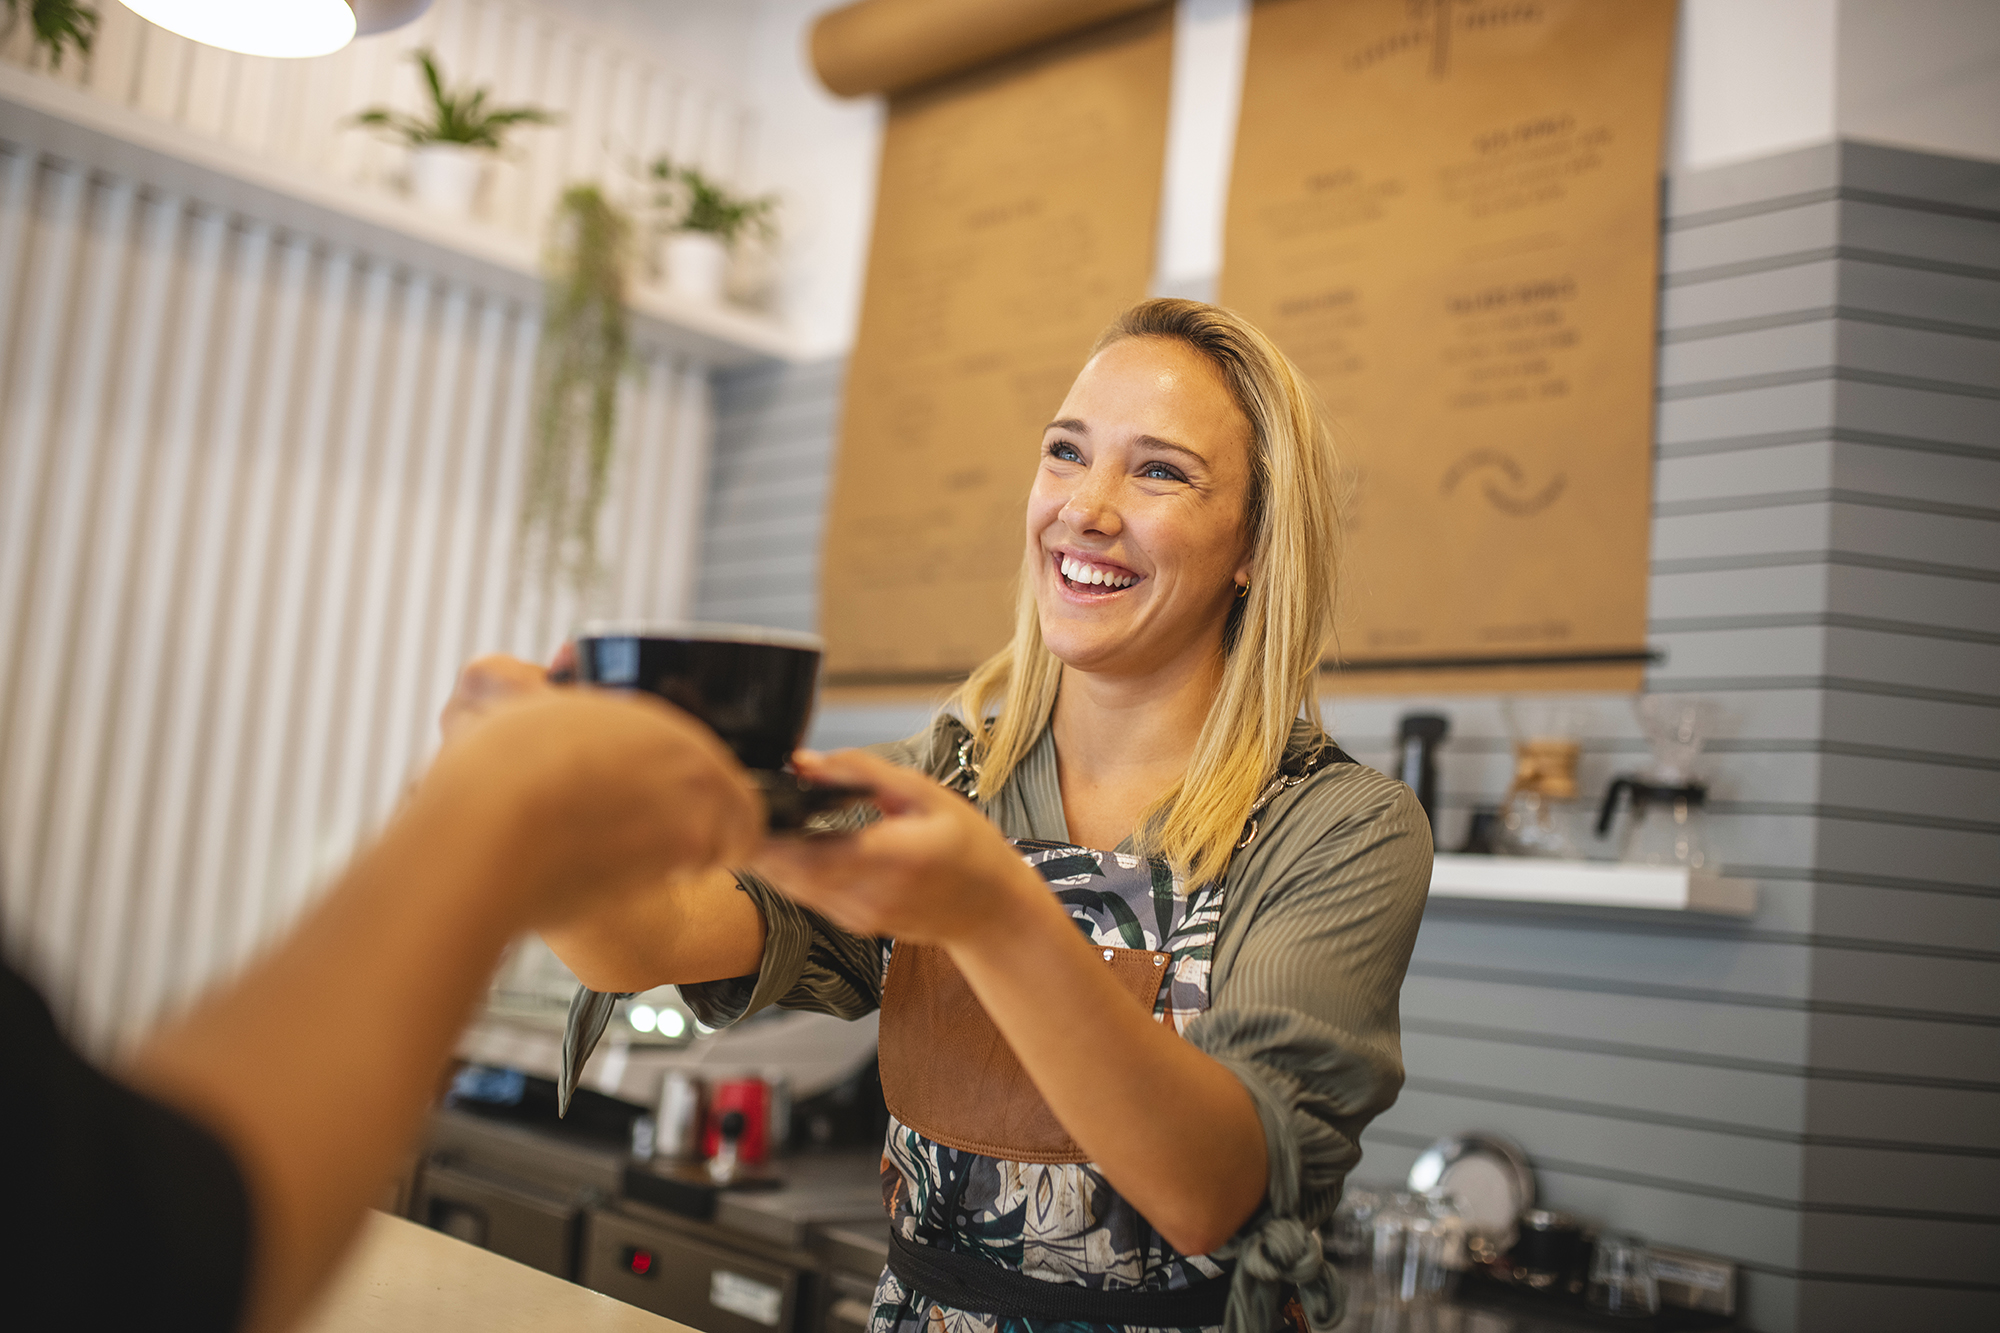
[1273, 642]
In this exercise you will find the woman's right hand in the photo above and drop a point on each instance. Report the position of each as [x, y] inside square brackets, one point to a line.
[487, 682]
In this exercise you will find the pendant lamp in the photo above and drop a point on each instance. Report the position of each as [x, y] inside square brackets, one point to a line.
[287, 28]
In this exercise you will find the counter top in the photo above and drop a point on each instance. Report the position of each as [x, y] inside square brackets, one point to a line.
[1485, 1307]
[404, 1278]
[817, 1189]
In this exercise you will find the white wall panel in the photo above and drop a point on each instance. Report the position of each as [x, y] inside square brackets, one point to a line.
[258, 501]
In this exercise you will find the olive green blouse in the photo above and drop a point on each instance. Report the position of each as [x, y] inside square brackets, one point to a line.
[1320, 912]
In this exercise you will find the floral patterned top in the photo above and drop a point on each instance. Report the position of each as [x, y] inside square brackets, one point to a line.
[1059, 1222]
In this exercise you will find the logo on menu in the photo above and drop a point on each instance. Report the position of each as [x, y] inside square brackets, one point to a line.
[1429, 26]
[1506, 485]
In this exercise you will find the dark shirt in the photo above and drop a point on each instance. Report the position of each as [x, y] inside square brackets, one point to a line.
[118, 1212]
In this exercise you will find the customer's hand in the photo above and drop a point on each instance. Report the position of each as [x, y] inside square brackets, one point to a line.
[597, 794]
[932, 870]
[487, 682]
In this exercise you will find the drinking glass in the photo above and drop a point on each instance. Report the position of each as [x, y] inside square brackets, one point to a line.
[1621, 1277]
[1353, 1230]
[1402, 1228]
[1443, 1255]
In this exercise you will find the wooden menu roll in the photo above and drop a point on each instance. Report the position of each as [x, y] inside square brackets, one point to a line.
[1015, 218]
[886, 46]
[1447, 212]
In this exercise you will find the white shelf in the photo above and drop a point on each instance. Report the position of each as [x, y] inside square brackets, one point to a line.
[39, 113]
[1523, 879]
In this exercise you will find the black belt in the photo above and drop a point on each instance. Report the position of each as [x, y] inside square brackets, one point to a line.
[966, 1283]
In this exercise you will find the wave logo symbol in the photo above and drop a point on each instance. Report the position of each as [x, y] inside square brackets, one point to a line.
[1504, 483]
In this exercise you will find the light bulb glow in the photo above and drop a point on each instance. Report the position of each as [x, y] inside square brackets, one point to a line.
[670, 1023]
[284, 28]
[640, 1016]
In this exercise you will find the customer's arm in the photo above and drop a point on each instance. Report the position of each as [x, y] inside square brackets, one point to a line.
[316, 1067]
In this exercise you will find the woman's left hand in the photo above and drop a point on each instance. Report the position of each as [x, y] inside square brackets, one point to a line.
[932, 870]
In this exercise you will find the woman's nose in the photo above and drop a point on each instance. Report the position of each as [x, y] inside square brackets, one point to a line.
[1092, 507]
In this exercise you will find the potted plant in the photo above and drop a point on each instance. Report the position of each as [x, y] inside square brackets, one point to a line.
[582, 354]
[703, 222]
[57, 24]
[450, 144]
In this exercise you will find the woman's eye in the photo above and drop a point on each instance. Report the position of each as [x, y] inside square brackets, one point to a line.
[1066, 451]
[1161, 472]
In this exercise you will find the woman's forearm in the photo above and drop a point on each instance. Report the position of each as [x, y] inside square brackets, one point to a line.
[1173, 1131]
[699, 928]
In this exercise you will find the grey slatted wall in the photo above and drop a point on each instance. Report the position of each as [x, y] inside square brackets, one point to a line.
[774, 427]
[1813, 1091]
[1902, 1160]
[1816, 1091]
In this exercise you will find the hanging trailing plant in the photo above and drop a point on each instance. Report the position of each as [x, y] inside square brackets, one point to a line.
[58, 24]
[576, 391]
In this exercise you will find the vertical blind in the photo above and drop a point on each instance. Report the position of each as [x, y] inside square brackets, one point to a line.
[257, 503]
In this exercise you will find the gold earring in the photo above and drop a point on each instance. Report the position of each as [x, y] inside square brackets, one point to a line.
[1242, 591]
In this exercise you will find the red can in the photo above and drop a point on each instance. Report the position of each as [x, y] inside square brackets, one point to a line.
[752, 1098]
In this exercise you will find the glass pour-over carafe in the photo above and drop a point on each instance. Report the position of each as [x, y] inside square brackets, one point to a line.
[1535, 817]
[1666, 823]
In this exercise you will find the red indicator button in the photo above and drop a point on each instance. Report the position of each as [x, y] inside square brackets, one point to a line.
[637, 1261]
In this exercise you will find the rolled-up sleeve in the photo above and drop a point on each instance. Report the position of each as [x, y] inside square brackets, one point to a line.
[809, 963]
[1305, 1007]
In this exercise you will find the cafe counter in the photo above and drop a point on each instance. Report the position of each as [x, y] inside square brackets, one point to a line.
[405, 1278]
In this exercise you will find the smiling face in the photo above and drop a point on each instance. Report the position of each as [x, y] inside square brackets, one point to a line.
[1136, 523]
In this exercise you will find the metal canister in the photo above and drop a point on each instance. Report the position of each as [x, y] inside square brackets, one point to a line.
[683, 1112]
[1550, 1248]
[780, 1084]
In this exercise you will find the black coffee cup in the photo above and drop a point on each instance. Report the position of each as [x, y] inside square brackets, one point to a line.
[752, 686]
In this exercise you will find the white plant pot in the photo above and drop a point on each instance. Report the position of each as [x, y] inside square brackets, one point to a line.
[697, 266]
[445, 177]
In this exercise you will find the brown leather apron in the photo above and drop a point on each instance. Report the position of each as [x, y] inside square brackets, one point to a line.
[949, 1074]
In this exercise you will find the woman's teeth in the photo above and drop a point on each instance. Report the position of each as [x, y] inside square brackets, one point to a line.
[1076, 571]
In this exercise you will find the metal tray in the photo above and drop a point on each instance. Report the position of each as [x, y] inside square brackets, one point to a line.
[1474, 1160]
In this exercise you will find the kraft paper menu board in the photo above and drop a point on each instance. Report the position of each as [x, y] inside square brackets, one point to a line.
[1447, 212]
[1015, 219]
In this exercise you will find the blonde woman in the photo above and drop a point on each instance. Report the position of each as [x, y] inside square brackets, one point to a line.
[1142, 992]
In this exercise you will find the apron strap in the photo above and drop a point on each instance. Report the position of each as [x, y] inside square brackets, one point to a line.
[968, 1283]
[1295, 767]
